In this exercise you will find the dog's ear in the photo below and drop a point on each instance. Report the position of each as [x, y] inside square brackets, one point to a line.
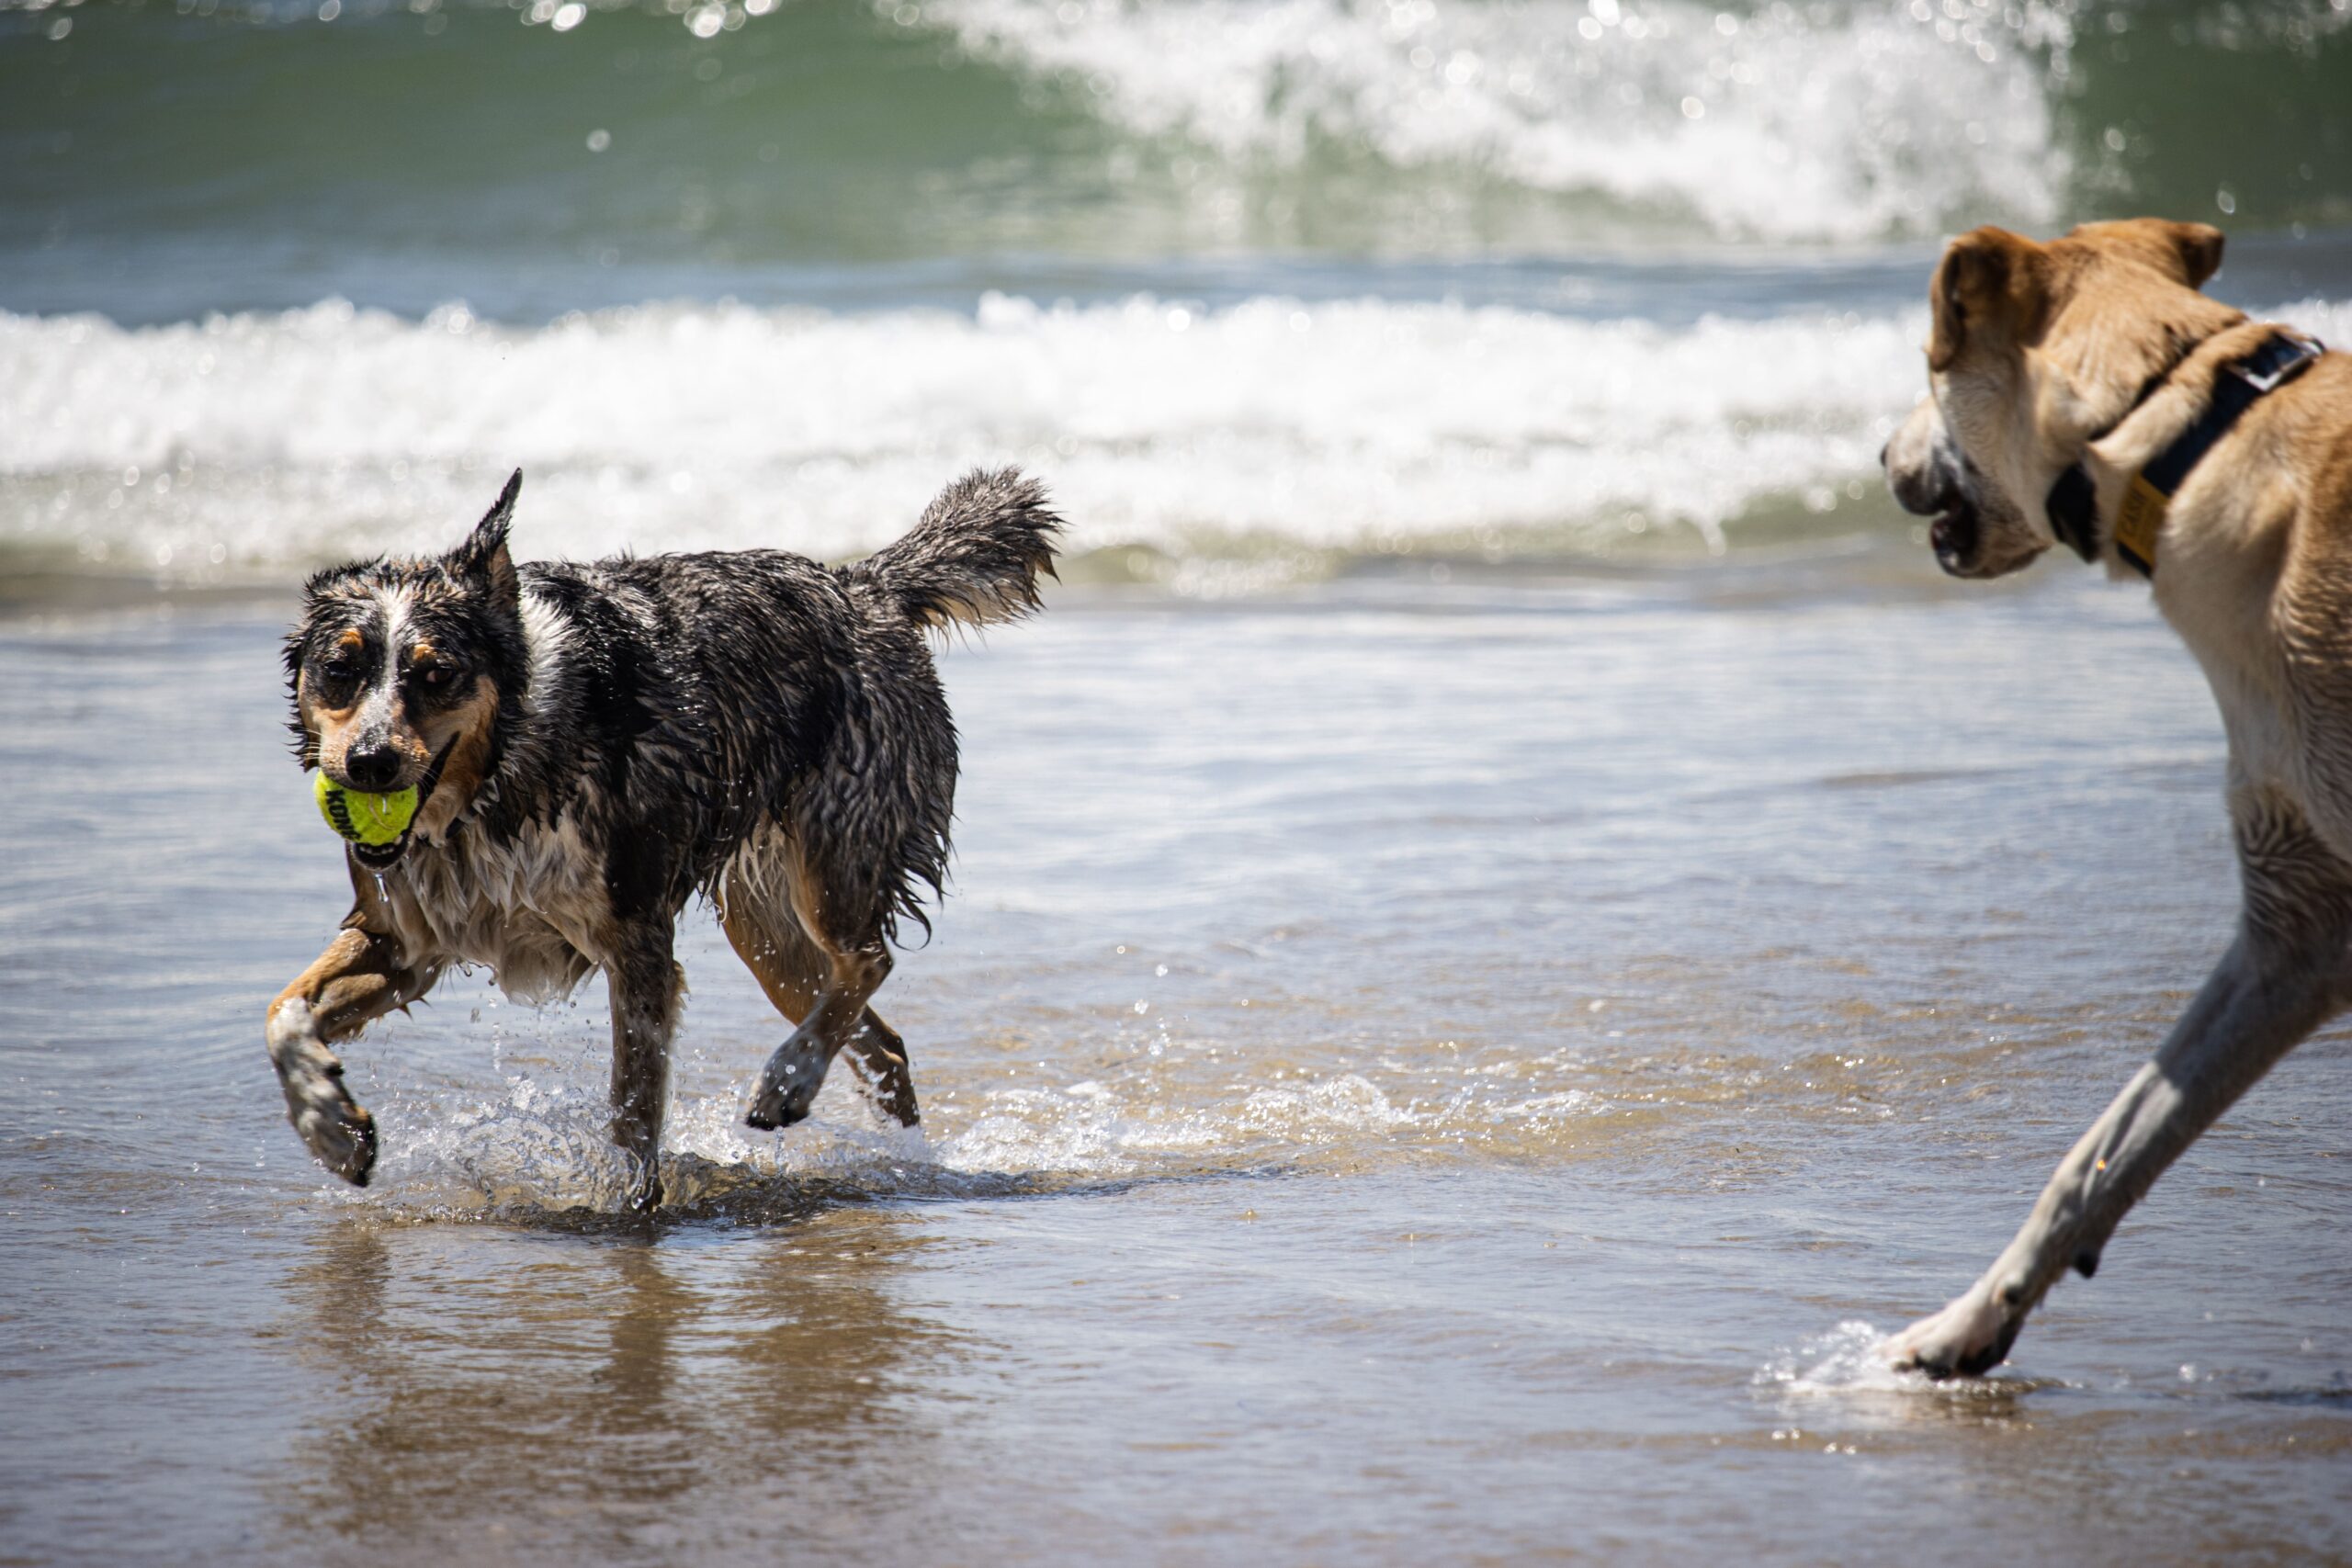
[2199, 245]
[484, 558]
[1992, 286]
[2189, 253]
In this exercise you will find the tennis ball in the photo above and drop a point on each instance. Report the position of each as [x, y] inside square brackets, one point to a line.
[365, 819]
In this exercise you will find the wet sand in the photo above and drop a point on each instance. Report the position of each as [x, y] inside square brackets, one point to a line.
[1412, 1071]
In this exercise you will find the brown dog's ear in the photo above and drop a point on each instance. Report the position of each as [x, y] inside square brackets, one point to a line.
[1990, 282]
[484, 556]
[2190, 253]
[2200, 251]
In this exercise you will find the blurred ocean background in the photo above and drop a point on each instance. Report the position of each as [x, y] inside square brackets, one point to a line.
[1265, 287]
[1507, 922]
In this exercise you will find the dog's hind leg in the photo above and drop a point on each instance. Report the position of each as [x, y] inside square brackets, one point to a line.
[792, 970]
[840, 1018]
[884, 1074]
[644, 984]
[358, 977]
[823, 987]
[2282, 978]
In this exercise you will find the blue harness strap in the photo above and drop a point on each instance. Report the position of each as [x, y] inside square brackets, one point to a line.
[2073, 502]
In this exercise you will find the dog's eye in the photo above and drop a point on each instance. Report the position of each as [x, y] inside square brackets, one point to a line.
[437, 676]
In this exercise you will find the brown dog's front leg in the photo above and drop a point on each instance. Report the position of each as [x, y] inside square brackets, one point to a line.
[644, 984]
[358, 977]
[2281, 979]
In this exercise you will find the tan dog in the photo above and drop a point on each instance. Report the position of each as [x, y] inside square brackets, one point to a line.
[2084, 393]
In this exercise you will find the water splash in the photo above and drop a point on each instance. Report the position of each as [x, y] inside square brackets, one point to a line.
[1845, 1374]
[541, 1146]
[1848, 1359]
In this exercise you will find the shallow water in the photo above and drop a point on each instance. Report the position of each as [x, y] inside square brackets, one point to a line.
[1411, 1069]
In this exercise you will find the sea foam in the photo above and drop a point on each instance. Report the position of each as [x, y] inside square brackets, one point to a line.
[265, 440]
[261, 439]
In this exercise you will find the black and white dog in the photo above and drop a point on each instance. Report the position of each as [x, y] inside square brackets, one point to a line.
[592, 744]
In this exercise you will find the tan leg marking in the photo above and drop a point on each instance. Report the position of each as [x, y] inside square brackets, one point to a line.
[358, 977]
[824, 991]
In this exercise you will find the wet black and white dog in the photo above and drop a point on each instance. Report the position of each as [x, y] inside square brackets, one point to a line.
[592, 744]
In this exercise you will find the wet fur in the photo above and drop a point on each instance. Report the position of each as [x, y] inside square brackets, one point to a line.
[2098, 347]
[605, 741]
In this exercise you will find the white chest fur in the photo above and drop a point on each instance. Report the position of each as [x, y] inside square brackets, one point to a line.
[530, 907]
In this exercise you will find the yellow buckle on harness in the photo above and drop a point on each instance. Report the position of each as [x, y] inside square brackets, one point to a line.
[2138, 520]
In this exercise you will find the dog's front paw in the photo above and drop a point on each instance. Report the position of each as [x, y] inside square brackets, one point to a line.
[789, 1083]
[337, 1132]
[343, 1137]
[1971, 1336]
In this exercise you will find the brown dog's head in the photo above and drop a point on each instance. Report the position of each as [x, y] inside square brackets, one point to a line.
[2035, 351]
[402, 671]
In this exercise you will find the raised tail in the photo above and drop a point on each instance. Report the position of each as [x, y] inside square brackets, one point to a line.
[975, 554]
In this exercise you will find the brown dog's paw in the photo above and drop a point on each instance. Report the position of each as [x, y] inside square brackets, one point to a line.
[1969, 1337]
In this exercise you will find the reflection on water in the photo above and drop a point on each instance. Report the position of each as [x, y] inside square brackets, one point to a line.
[489, 1393]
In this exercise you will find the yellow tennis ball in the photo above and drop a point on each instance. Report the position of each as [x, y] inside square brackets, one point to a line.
[365, 819]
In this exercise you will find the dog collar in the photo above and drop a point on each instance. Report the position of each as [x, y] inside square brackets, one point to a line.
[2073, 502]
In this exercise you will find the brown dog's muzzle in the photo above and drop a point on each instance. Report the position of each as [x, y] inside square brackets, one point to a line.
[1957, 536]
[1974, 534]
[1928, 480]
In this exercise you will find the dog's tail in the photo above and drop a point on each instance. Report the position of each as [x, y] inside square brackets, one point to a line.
[975, 554]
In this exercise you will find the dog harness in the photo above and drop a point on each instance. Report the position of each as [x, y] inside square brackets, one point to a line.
[2073, 502]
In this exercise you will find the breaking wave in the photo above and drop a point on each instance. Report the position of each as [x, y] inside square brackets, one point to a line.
[266, 439]
[1779, 121]
[1273, 425]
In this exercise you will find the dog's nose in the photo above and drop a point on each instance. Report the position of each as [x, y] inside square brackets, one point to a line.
[371, 767]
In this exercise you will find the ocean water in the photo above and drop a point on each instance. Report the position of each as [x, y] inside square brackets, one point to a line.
[1262, 286]
[1506, 923]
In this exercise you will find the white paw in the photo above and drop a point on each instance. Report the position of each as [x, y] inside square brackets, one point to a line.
[1971, 1336]
[337, 1132]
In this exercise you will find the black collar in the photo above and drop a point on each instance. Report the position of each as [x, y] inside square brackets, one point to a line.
[2073, 502]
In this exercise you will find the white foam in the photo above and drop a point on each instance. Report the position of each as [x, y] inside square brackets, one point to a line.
[1781, 121]
[268, 438]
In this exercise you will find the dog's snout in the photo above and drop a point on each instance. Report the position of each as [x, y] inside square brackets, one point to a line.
[1931, 488]
[371, 765]
[1922, 467]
